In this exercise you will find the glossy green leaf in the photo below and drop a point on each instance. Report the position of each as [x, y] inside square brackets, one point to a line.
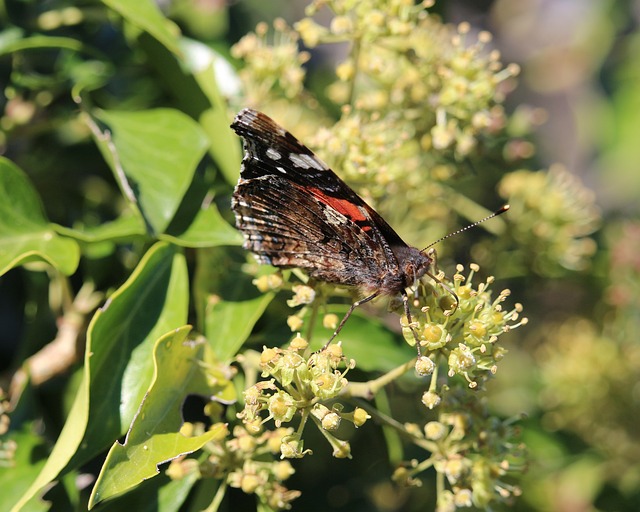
[195, 87]
[154, 436]
[167, 495]
[226, 301]
[228, 324]
[125, 227]
[153, 155]
[25, 233]
[198, 222]
[29, 459]
[225, 146]
[118, 362]
[145, 15]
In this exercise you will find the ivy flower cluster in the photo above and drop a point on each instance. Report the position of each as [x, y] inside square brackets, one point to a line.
[244, 460]
[273, 62]
[402, 57]
[416, 96]
[473, 454]
[304, 385]
[555, 213]
[462, 332]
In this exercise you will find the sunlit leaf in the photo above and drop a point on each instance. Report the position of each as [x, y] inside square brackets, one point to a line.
[118, 362]
[154, 436]
[145, 15]
[153, 155]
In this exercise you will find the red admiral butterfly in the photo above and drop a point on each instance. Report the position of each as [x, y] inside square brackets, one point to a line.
[296, 212]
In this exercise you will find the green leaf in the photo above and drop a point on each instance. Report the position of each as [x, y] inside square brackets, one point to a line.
[226, 301]
[208, 229]
[198, 222]
[145, 15]
[154, 436]
[153, 155]
[194, 84]
[29, 459]
[25, 233]
[228, 324]
[118, 362]
[225, 147]
[168, 495]
[125, 227]
[367, 340]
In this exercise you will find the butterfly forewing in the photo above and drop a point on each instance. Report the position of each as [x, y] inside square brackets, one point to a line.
[271, 150]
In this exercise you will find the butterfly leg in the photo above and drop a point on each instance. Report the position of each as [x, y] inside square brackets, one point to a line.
[407, 312]
[347, 315]
[434, 256]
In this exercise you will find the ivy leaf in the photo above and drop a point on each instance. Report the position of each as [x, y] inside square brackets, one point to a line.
[154, 436]
[25, 232]
[145, 15]
[153, 155]
[118, 363]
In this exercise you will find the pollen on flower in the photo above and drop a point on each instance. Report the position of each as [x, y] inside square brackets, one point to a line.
[298, 343]
[360, 416]
[283, 470]
[424, 366]
[432, 333]
[431, 399]
[341, 25]
[294, 322]
[330, 321]
[342, 449]
[268, 282]
[303, 294]
[269, 355]
[334, 351]
[463, 498]
[345, 71]
[331, 421]
[435, 430]
[282, 407]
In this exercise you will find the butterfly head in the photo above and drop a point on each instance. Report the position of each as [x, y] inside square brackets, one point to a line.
[413, 264]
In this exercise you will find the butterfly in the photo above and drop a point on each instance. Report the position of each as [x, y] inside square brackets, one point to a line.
[294, 211]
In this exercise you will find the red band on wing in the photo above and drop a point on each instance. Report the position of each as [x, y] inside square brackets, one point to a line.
[343, 206]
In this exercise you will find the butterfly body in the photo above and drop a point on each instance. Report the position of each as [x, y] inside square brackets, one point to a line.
[296, 212]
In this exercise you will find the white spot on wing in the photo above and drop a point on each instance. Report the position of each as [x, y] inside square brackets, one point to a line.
[273, 154]
[306, 162]
[334, 218]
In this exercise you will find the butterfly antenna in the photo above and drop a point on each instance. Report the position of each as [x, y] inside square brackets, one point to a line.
[472, 225]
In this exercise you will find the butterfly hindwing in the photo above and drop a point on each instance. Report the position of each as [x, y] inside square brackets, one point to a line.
[287, 227]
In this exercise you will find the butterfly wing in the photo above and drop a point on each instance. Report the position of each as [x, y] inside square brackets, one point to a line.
[285, 226]
[297, 212]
